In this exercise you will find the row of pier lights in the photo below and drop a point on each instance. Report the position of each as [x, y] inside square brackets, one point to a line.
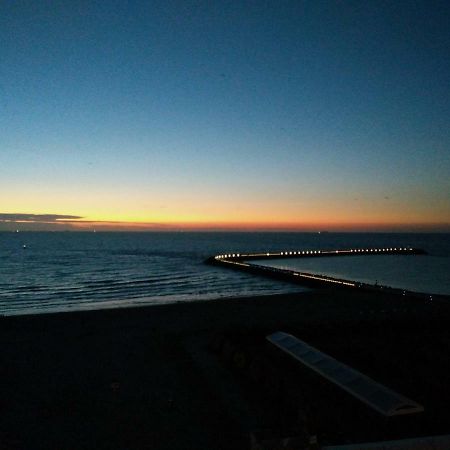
[315, 252]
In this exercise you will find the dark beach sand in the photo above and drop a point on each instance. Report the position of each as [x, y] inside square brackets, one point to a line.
[144, 378]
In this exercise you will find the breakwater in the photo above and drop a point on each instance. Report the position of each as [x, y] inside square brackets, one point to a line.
[240, 261]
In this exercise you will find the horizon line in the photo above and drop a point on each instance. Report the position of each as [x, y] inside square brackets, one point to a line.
[64, 222]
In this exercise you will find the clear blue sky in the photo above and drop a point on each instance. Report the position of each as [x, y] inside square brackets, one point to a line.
[280, 113]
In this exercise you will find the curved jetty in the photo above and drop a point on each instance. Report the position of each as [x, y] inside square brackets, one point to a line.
[239, 261]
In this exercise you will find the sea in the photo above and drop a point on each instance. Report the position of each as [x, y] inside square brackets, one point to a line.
[48, 272]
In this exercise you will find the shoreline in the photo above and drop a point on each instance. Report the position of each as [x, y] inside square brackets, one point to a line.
[314, 288]
[162, 308]
[312, 283]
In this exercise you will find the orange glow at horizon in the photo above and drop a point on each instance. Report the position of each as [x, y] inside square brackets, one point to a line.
[261, 226]
[223, 211]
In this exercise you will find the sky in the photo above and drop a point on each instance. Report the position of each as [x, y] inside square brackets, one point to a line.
[225, 115]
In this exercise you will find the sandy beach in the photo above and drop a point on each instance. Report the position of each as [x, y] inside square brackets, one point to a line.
[147, 378]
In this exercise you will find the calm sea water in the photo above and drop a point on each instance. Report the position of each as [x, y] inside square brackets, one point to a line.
[74, 271]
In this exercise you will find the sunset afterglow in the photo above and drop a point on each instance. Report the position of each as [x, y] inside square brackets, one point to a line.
[176, 116]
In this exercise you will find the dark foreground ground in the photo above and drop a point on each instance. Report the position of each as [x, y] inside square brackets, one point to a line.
[180, 376]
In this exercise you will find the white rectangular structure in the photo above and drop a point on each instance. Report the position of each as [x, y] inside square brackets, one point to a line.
[379, 397]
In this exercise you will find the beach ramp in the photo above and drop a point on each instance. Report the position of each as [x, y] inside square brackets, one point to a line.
[378, 397]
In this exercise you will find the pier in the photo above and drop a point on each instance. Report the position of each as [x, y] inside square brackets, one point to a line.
[239, 261]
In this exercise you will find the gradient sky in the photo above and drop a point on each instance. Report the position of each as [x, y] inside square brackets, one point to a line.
[231, 114]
